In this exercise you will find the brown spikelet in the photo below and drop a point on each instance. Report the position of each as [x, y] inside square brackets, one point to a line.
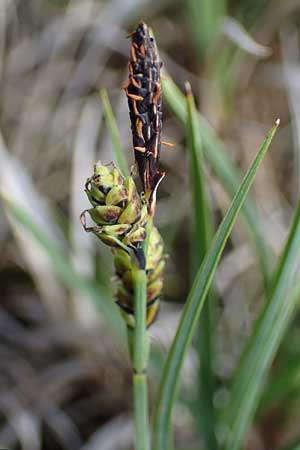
[143, 91]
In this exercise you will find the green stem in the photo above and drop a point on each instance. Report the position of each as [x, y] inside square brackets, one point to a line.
[141, 412]
[140, 360]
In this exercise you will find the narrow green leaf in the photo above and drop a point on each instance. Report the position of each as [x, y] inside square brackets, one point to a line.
[114, 133]
[200, 240]
[64, 270]
[200, 208]
[216, 154]
[285, 385]
[194, 304]
[204, 18]
[264, 341]
[296, 448]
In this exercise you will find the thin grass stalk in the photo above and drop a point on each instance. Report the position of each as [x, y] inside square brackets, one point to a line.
[200, 241]
[141, 420]
[119, 157]
[140, 361]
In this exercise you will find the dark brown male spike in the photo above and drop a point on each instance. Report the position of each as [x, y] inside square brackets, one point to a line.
[143, 90]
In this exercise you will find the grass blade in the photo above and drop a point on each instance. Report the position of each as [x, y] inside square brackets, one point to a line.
[204, 18]
[216, 154]
[194, 304]
[114, 133]
[202, 220]
[200, 240]
[264, 341]
[285, 385]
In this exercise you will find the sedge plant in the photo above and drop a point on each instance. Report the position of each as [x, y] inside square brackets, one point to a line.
[121, 216]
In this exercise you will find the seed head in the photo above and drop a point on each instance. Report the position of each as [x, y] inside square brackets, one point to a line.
[121, 215]
[143, 90]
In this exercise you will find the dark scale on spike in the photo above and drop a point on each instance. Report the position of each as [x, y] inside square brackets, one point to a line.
[144, 99]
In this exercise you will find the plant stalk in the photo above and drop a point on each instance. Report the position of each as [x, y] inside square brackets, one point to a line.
[140, 361]
[141, 420]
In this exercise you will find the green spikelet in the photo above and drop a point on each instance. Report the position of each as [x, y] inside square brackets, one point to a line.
[154, 270]
[121, 216]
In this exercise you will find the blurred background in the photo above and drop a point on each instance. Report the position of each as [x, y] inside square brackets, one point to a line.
[65, 377]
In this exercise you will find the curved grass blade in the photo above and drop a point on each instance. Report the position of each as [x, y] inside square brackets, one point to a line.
[194, 304]
[62, 266]
[285, 385]
[264, 341]
[200, 241]
[114, 133]
[216, 154]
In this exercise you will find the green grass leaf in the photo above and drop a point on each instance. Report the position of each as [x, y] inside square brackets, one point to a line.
[200, 208]
[194, 304]
[264, 341]
[282, 387]
[200, 241]
[204, 17]
[118, 156]
[228, 174]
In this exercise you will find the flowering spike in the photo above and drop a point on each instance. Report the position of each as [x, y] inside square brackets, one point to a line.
[143, 91]
[121, 216]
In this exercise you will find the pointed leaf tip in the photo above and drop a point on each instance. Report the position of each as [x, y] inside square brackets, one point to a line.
[188, 88]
